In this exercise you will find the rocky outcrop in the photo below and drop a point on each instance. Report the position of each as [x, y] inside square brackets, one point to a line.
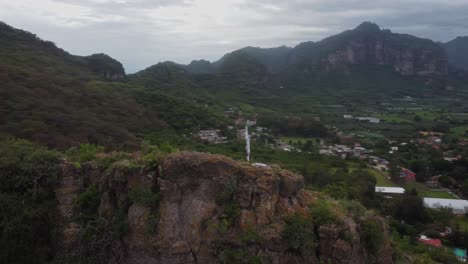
[369, 45]
[105, 66]
[213, 207]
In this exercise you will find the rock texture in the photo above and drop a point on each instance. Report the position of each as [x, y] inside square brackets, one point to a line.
[192, 223]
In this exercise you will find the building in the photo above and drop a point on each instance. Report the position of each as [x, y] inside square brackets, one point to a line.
[390, 191]
[430, 241]
[457, 206]
[211, 136]
[369, 119]
[433, 182]
[407, 176]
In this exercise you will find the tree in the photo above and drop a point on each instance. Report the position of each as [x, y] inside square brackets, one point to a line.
[394, 171]
[411, 210]
[299, 234]
[464, 187]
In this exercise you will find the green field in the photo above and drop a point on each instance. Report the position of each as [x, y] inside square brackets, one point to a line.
[382, 179]
[394, 119]
[424, 191]
[458, 131]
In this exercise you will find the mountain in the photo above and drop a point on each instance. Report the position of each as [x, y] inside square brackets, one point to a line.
[365, 62]
[457, 52]
[60, 100]
[368, 45]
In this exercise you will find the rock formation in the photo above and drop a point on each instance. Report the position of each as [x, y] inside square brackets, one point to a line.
[211, 207]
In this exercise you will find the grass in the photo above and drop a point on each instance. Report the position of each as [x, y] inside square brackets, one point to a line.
[382, 179]
[458, 131]
[369, 134]
[427, 115]
[424, 191]
[462, 222]
[394, 119]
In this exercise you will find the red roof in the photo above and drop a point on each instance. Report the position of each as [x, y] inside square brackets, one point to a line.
[431, 242]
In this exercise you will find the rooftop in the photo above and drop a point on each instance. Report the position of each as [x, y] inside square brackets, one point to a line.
[450, 203]
[395, 190]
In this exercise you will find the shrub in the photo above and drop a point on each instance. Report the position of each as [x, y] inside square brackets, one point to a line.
[371, 236]
[84, 152]
[250, 235]
[231, 209]
[355, 209]
[25, 167]
[299, 234]
[322, 213]
[153, 155]
[143, 195]
[27, 175]
[86, 204]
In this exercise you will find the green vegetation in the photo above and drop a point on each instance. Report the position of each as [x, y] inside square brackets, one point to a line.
[143, 195]
[371, 235]
[27, 175]
[83, 153]
[86, 204]
[299, 234]
[231, 209]
[424, 191]
[323, 213]
[382, 179]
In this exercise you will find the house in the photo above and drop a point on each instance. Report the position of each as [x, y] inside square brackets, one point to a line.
[369, 119]
[347, 116]
[344, 139]
[407, 176]
[211, 136]
[434, 242]
[457, 206]
[326, 152]
[433, 181]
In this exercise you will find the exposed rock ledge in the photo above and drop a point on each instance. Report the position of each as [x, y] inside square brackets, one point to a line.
[187, 226]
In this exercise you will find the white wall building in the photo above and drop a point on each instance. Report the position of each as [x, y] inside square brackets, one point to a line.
[389, 190]
[458, 206]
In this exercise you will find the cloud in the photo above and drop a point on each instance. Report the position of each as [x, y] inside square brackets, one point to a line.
[142, 32]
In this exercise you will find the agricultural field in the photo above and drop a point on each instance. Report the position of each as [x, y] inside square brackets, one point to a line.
[424, 191]
[459, 131]
[382, 179]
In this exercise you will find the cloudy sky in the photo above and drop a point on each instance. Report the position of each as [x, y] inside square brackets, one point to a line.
[140, 33]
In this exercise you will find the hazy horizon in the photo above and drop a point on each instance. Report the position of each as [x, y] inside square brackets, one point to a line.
[141, 33]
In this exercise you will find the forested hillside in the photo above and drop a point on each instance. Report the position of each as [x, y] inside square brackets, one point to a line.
[60, 100]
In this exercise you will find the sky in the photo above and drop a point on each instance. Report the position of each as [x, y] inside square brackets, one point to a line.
[140, 33]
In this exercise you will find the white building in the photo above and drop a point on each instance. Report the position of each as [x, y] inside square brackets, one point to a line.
[458, 206]
[368, 119]
[389, 190]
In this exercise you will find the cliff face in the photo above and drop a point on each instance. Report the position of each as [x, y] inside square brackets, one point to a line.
[457, 52]
[369, 45]
[211, 209]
